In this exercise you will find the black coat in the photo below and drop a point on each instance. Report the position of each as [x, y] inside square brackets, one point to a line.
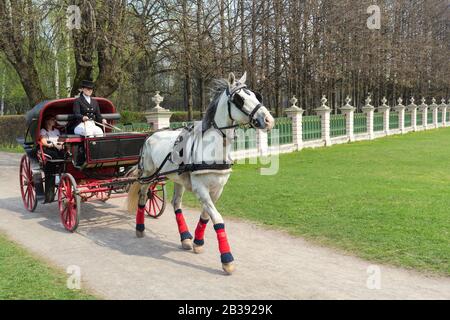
[82, 108]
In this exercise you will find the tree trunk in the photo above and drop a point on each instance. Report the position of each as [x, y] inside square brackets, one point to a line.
[187, 66]
[222, 37]
[18, 42]
[2, 102]
[277, 67]
[84, 41]
[68, 74]
[55, 53]
[30, 81]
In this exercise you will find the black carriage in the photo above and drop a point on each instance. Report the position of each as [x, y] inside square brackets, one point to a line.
[92, 168]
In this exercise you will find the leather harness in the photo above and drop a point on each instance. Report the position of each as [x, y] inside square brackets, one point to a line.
[238, 102]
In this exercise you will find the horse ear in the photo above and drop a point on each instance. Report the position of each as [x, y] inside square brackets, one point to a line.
[231, 78]
[243, 79]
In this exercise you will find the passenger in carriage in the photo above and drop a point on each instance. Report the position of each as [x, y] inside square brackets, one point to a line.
[49, 139]
[87, 111]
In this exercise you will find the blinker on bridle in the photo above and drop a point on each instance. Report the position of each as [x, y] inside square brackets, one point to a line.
[238, 101]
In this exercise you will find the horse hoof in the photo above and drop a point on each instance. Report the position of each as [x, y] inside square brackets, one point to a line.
[228, 268]
[186, 244]
[140, 234]
[198, 249]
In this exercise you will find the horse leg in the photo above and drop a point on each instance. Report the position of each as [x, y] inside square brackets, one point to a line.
[201, 226]
[185, 235]
[140, 214]
[200, 232]
[205, 198]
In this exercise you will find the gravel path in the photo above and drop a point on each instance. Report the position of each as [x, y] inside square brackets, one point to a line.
[269, 264]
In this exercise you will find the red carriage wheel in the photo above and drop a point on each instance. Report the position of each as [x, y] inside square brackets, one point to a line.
[156, 200]
[69, 202]
[26, 184]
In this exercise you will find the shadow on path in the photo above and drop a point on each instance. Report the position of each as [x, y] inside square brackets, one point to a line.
[109, 226]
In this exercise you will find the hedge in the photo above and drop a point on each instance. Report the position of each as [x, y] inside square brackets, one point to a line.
[136, 117]
[180, 116]
[11, 127]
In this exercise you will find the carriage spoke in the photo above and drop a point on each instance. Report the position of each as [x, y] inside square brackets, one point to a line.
[33, 196]
[67, 211]
[151, 206]
[158, 197]
[67, 202]
[157, 204]
[29, 200]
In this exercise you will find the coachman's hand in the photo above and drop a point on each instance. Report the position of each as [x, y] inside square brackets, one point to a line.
[85, 118]
[104, 121]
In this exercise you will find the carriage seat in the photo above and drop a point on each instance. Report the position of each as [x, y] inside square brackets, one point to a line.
[67, 120]
[71, 138]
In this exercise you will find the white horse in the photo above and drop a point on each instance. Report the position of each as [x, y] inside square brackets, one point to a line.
[233, 104]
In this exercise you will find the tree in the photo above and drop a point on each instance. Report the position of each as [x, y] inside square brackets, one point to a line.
[18, 43]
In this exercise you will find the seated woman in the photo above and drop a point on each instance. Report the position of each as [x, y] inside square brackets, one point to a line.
[49, 139]
[86, 110]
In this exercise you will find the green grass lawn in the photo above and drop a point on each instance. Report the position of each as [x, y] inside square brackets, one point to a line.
[23, 276]
[11, 148]
[386, 200]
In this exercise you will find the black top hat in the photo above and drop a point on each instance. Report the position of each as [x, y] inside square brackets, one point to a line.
[87, 84]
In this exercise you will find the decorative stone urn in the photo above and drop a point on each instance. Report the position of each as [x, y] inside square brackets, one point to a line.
[158, 117]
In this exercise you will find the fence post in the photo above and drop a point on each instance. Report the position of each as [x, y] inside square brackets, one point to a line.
[296, 115]
[400, 108]
[324, 112]
[424, 108]
[158, 117]
[412, 107]
[349, 112]
[368, 109]
[262, 143]
[443, 109]
[434, 108]
[384, 108]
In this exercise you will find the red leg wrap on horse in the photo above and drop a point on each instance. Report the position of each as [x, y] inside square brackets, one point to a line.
[182, 227]
[200, 230]
[140, 215]
[224, 247]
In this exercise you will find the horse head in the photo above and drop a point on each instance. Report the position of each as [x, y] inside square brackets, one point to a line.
[246, 106]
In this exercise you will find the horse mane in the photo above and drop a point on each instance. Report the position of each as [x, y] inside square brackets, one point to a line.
[216, 90]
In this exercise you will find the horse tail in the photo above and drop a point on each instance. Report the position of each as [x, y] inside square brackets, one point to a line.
[133, 197]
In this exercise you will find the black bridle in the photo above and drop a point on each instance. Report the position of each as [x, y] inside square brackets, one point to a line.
[238, 101]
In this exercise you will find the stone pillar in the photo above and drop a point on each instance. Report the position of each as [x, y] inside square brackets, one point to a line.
[324, 112]
[412, 107]
[262, 143]
[443, 109]
[424, 109]
[296, 115]
[434, 107]
[384, 108]
[349, 112]
[368, 109]
[400, 108]
[158, 117]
